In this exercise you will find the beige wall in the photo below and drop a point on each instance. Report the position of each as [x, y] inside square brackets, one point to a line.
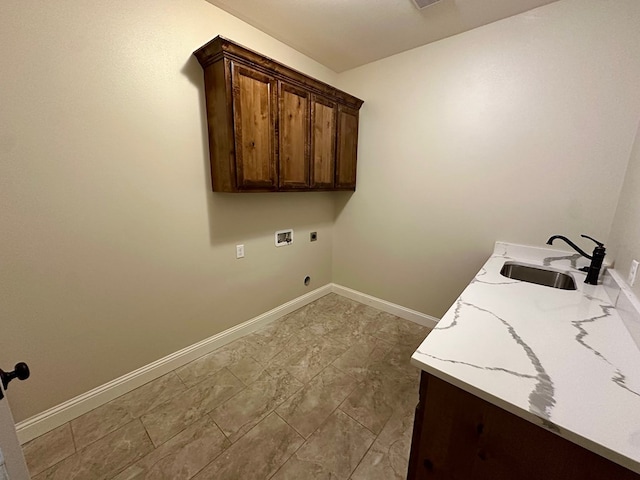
[114, 251]
[514, 131]
[625, 233]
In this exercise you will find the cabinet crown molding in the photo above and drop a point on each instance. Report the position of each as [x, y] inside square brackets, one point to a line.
[221, 47]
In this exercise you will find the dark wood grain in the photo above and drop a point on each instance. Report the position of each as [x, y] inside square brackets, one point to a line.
[323, 142]
[294, 136]
[346, 157]
[254, 125]
[458, 436]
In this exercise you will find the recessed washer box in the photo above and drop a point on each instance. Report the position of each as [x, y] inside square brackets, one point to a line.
[284, 237]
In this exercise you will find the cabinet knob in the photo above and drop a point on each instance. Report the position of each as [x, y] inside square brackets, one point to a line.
[428, 464]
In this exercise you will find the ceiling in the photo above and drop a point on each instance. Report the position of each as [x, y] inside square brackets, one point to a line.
[343, 34]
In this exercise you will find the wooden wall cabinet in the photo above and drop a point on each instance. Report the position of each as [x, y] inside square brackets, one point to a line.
[458, 436]
[272, 128]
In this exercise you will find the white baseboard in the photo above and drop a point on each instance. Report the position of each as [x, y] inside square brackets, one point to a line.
[395, 309]
[73, 408]
[65, 412]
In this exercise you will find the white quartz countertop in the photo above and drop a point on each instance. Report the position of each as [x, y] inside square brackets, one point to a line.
[562, 359]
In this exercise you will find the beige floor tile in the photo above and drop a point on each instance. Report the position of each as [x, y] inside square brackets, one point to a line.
[172, 417]
[300, 318]
[243, 411]
[305, 360]
[335, 304]
[388, 327]
[257, 455]
[332, 452]
[353, 326]
[247, 370]
[71, 468]
[376, 398]
[48, 449]
[400, 423]
[326, 322]
[181, 457]
[388, 457]
[361, 355]
[109, 417]
[264, 347]
[399, 357]
[104, 458]
[210, 364]
[389, 463]
[307, 409]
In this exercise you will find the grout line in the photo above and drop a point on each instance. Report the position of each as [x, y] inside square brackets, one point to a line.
[363, 456]
[118, 472]
[175, 372]
[220, 428]
[372, 443]
[304, 441]
[73, 438]
[75, 452]
[360, 423]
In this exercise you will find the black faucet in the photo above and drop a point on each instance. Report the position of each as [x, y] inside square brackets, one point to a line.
[593, 270]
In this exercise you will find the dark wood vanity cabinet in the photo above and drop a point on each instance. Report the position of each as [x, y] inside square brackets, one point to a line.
[272, 128]
[458, 436]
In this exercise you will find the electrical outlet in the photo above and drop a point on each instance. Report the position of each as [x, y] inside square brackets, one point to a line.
[632, 273]
[239, 251]
[313, 236]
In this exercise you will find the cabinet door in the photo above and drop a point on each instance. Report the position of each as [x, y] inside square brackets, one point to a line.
[347, 148]
[323, 142]
[458, 436]
[254, 107]
[293, 137]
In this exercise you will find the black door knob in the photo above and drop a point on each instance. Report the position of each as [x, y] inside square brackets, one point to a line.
[21, 372]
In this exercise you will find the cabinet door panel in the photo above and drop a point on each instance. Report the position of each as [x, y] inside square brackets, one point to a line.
[323, 142]
[458, 436]
[293, 137]
[254, 125]
[347, 148]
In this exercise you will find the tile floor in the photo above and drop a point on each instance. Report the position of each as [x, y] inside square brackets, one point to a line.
[326, 392]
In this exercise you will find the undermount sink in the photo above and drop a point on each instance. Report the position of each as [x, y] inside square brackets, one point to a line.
[538, 275]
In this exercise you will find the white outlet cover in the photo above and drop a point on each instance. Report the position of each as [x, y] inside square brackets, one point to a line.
[239, 251]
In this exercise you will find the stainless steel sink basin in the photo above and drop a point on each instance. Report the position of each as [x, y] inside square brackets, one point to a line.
[538, 275]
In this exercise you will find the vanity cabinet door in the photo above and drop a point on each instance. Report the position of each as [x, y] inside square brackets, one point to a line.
[323, 142]
[294, 117]
[458, 436]
[254, 122]
[347, 148]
